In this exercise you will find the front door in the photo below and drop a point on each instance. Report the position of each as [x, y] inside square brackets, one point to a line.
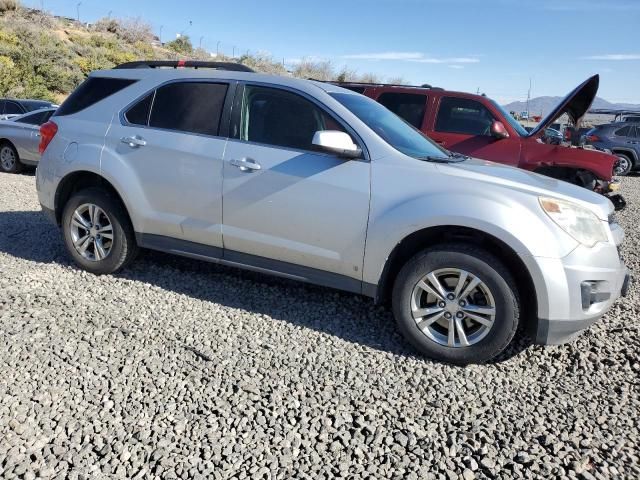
[169, 140]
[463, 125]
[286, 204]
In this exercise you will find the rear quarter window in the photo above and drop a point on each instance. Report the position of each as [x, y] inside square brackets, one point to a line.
[623, 132]
[90, 92]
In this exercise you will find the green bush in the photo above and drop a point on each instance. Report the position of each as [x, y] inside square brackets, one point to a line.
[181, 45]
[9, 5]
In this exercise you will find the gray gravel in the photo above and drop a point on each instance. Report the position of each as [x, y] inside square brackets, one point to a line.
[180, 369]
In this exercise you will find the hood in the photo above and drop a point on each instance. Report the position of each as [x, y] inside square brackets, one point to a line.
[575, 105]
[529, 182]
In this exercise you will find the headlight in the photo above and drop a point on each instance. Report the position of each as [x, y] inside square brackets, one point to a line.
[579, 222]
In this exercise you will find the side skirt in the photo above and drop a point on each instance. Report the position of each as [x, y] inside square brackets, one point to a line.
[254, 263]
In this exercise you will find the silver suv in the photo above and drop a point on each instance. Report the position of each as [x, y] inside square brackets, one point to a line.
[309, 181]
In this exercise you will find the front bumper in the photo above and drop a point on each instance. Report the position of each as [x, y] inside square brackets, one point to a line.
[578, 290]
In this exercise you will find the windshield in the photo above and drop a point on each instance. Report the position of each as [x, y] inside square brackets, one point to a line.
[512, 121]
[391, 128]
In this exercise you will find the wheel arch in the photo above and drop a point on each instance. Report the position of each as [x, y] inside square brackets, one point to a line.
[79, 180]
[628, 151]
[443, 235]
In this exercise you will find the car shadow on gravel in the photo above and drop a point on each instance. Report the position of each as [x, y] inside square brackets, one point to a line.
[30, 236]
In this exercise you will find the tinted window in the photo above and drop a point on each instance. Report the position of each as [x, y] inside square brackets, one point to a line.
[139, 113]
[409, 106]
[194, 107]
[2, 104]
[390, 127]
[37, 118]
[635, 132]
[12, 108]
[623, 132]
[90, 92]
[278, 117]
[461, 115]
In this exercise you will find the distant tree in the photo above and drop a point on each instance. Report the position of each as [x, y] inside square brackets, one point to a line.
[9, 5]
[182, 45]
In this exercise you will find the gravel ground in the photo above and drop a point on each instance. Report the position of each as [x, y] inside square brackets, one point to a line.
[181, 369]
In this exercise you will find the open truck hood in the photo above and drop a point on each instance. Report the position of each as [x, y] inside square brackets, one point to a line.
[575, 105]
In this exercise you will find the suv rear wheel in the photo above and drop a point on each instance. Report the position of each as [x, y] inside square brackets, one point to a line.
[456, 304]
[623, 166]
[97, 232]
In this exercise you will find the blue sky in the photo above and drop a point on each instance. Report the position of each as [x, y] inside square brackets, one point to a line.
[491, 45]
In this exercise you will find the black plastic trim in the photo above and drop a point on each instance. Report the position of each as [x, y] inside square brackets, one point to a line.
[255, 263]
[229, 66]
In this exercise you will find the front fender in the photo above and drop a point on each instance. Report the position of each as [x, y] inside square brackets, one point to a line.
[544, 155]
[528, 232]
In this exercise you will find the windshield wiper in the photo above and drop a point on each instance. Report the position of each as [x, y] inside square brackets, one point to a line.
[459, 156]
[435, 159]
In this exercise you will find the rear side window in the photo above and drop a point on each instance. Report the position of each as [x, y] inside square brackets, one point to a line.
[623, 132]
[408, 106]
[462, 115]
[90, 92]
[139, 113]
[37, 118]
[193, 107]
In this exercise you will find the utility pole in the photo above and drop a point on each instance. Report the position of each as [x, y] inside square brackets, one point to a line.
[217, 48]
[233, 55]
[160, 35]
[109, 14]
[78, 10]
[200, 42]
[528, 98]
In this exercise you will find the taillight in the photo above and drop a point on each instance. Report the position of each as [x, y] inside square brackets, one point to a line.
[593, 138]
[47, 132]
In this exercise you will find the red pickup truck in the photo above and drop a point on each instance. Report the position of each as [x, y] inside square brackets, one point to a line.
[477, 126]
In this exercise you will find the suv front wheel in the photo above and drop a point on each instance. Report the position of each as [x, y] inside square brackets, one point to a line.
[97, 232]
[457, 304]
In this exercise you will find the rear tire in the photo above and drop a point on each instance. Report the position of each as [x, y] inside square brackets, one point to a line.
[97, 232]
[9, 158]
[483, 320]
[623, 166]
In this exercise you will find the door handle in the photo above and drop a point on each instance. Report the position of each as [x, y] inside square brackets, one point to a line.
[246, 164]
[134, 142]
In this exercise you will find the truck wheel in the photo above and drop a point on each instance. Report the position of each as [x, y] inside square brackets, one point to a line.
[456, 304]
[97, 232]
[623, 166]
[9, 159]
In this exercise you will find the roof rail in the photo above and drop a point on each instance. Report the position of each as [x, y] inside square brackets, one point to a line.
[231, 66]
[368, 84]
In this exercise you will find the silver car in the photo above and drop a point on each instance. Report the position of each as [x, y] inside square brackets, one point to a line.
[309, 181]
[19, 140]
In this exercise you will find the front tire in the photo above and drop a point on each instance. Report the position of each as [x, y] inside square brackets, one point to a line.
[97, 232]
[456, 304]
[623, 166]
[9, 159]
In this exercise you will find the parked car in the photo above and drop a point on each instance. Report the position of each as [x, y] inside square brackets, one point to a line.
[622, 139]
[289, 177]
[12, 107]
[477, 126]
[19, 140]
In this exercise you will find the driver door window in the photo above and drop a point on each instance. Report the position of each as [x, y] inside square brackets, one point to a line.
[280, 118]
[464, 116]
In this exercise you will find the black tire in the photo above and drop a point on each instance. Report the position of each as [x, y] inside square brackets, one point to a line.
[479, 263]
[627, 162]
[123, 247]
[16, 165]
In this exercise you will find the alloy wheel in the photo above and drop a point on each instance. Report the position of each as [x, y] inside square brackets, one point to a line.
[91, 232]
[7, 158]
[622, 166]
[452, 307]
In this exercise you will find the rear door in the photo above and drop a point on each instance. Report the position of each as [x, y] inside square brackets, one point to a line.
[171, 139]
[287, 205]
[27, 134]
[463, 125]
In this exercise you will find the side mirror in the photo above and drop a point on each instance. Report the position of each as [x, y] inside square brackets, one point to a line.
[498, 130]
[336, 142]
